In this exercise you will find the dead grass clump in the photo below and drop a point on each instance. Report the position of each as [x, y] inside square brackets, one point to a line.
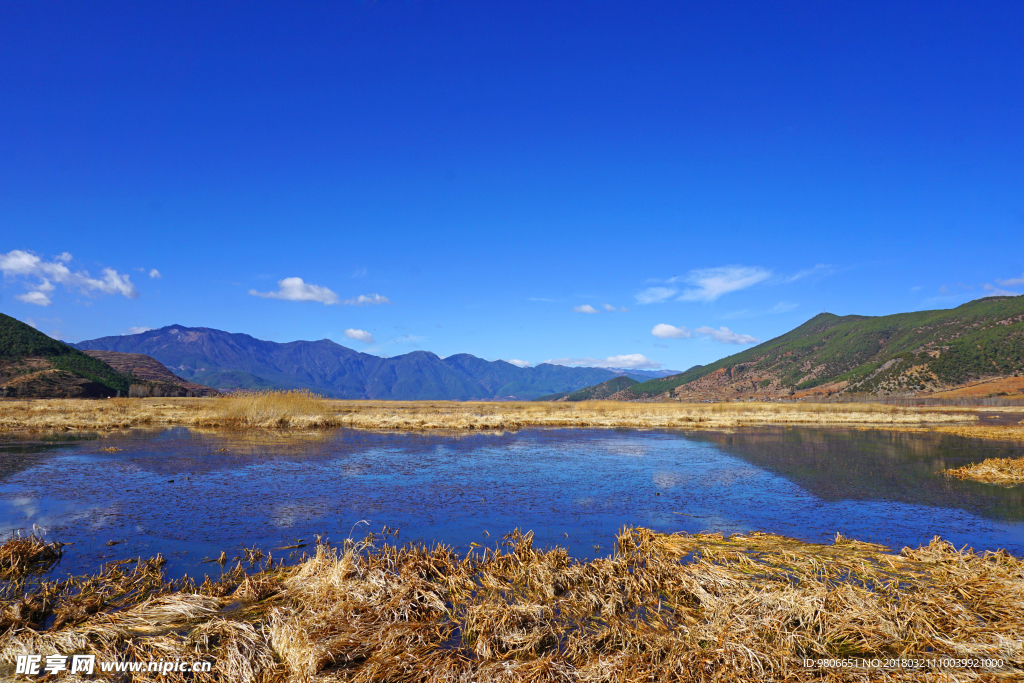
[1006, 471]
[22, 555]
[662, 608]
[295, 408]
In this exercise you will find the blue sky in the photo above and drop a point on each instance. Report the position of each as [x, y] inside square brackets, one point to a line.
[479, 177]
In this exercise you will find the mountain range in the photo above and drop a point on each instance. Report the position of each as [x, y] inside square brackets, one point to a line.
[976, 349]
[227, 361]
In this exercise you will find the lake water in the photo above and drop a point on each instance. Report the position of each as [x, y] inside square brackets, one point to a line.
[189, 495]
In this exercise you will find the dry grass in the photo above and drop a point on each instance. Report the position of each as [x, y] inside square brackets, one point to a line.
[298, 410]
[276, 409]
[663, 608]
[1006, 471]
[22, 555]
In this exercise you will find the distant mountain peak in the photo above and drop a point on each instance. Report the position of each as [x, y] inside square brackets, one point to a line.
[229, 360]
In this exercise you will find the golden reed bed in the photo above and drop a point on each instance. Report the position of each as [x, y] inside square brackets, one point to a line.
[303, 410]
[676, 608]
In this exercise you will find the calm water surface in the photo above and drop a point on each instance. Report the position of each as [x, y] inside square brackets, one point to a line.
[190, 495]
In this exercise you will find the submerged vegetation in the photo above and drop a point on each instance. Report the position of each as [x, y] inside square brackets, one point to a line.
[662, 608]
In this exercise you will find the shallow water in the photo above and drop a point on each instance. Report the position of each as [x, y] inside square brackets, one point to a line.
[189, 495]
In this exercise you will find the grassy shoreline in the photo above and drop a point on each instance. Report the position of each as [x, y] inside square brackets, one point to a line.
[662, 608]
[300, 410]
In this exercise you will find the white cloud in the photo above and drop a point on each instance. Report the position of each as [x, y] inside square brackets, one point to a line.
[711, 283]
[655, 295]
[360, 335]
[364, 300]
[784, 307]
[727, 336]
[723, 334]
[585, 308]
[1012, 282]
[137, 330]
[295, 289]
[518, 363]
[609, 307]
[37, 298]
[629, 360]
[663, 331]
[359, 273]
[25, 264]
[155, 274]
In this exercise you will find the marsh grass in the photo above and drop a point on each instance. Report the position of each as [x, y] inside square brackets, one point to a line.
[302, 410]
[296, 408]
[662, 608]
[1005, 471]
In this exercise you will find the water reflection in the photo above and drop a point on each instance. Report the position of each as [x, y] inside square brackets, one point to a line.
[190, 494]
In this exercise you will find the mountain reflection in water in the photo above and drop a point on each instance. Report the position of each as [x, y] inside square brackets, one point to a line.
[191, 494]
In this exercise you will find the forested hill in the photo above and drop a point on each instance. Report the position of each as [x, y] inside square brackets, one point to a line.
[925, 351]
[597, 392]
[33, 364]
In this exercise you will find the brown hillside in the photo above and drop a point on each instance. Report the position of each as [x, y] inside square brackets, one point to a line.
[152, 378]
[37, 378]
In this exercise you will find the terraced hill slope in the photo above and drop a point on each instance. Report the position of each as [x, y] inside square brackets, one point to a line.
[149, 376]
[35, 365]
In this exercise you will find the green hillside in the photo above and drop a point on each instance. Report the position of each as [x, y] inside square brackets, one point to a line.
[19, 341]
[886, 354]
[594, 393]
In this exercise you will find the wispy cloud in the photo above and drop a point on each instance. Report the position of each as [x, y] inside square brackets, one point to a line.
[722, 335]
[960, 293]
[818, 270]
[610, 308]
[296, 289]
[655, 295]
[629, 360]
[517, 362]
[726, 336]
[1012, 282]
[137, 330]
[781, 307]
[537, 298]
[155, 274]
[360, 273]
[367, 300]
[40, 277]
[585, 308]
[996, 291]
[360, 335]
[711, 283]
